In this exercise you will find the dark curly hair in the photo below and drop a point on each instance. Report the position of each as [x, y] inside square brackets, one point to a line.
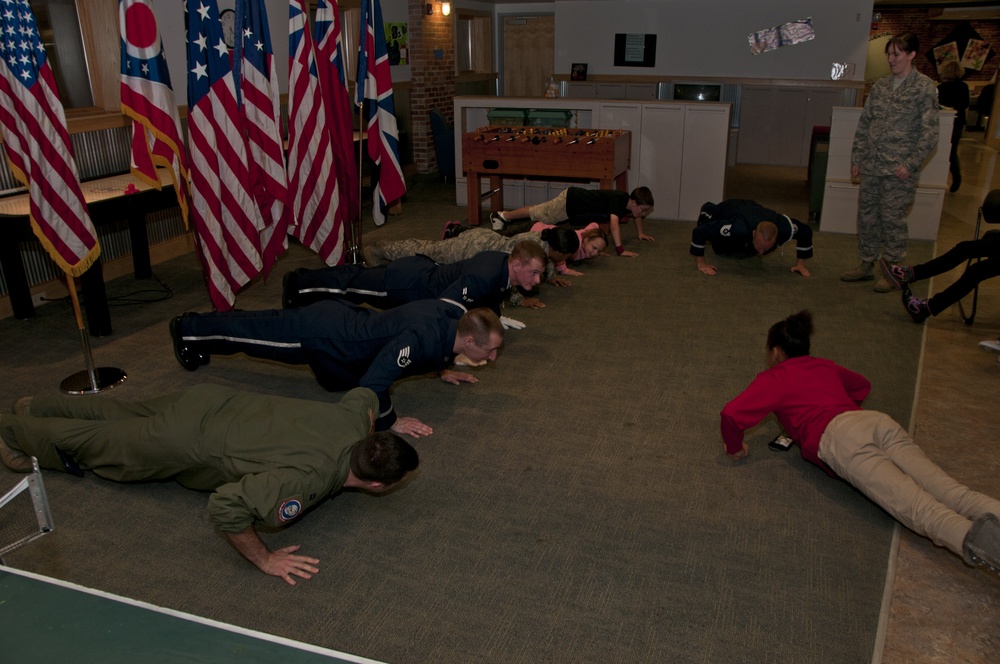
[792, 334]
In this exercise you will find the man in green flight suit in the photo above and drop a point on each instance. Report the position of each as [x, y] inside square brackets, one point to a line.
[266, 458]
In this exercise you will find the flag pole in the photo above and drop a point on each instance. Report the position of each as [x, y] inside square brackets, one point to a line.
[358, 222]
[92, 380]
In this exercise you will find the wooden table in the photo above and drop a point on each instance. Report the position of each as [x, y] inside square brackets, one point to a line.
[495, 152]
[107, 203]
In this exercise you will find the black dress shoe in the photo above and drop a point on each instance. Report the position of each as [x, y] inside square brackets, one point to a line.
[69, 463]
[188, 358]
[290, 290]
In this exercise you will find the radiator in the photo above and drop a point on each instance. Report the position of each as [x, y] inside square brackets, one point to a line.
[115, 242]
[98, 154]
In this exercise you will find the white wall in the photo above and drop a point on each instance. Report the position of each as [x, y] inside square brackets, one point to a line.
[694, 37]
[709, 37]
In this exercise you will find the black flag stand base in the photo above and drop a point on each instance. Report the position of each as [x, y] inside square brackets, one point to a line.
[92, 380]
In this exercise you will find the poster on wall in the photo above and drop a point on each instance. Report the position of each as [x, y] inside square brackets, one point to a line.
[769, 39]
[634, 50]
[966, 46]
[395, 43]
[975, 54]
[945, 53]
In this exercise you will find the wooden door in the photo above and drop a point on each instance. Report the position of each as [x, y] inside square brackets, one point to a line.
[528, 54]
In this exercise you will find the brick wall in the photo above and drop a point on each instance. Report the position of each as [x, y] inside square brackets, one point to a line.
[931, 32]
[432, 71]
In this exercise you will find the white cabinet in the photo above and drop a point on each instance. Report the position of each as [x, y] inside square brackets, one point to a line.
[678, 151]
[661, 149]
[840, 194]
[625, 115]
[776, 122]
[703, 163]
[641, 91]
[678, 148]
[587, 90]
[611, 90]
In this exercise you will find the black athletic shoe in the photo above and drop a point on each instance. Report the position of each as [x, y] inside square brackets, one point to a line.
[917, 308]
[188, 358]
[900, 276]
[451, 229]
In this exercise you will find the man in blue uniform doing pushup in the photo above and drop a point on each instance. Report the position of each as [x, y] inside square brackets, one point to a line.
[481, 281]
[349, 346]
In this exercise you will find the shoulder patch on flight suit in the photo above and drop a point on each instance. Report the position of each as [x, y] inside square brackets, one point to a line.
[289, 509]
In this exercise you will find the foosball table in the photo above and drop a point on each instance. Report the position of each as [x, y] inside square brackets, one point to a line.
[495, 152]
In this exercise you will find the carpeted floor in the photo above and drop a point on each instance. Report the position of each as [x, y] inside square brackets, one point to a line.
[573, 505]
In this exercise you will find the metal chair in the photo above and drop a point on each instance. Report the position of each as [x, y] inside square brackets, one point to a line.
[990, 213]
[24, 513]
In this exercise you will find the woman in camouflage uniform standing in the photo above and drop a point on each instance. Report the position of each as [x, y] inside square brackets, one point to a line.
[898, 129]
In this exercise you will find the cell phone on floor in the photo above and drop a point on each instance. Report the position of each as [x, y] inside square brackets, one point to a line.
[781, 443]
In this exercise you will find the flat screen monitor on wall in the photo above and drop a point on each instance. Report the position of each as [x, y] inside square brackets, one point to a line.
[697, 91]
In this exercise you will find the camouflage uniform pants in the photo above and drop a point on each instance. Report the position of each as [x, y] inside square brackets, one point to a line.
[883, 203]
[466, 245]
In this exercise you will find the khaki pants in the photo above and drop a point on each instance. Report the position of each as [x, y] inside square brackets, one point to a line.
[876, 455]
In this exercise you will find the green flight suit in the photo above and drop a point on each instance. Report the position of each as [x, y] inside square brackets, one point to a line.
[266, 458]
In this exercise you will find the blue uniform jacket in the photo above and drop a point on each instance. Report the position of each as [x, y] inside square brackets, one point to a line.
[344, 344]
[729, 226]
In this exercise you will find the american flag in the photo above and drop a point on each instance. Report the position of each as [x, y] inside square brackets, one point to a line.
[226, 220]
[330, 53]
[311, 180]
[253, 65]
[39, 152]
[374, 82]
[148, 99]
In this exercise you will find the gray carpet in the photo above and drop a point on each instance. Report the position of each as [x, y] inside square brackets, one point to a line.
[573, 505]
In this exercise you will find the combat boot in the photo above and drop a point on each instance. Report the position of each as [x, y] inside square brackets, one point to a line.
[865, 271]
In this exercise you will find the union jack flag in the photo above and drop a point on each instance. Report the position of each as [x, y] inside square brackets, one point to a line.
[227, 223]
[311, 180]
[39, 152]
[330, 58]
[148, 99]
[374, 83]
[253, 66]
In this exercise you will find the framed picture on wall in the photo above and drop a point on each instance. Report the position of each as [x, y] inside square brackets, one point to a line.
[975, 54]
[578, 72]
[635, 50]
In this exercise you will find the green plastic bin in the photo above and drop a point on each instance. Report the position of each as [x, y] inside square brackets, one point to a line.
[538, 117]
[507, 117]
